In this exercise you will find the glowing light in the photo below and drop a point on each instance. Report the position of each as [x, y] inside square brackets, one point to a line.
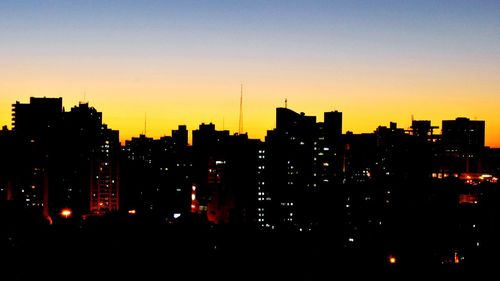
[392, 259]
[177, 215]
[456, 258]
[66, 213]
[132, 212]
[467, 199]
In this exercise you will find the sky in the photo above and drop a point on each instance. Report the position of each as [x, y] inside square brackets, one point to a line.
[182, 62]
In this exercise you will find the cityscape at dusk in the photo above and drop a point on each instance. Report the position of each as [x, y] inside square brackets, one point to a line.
[249, 140]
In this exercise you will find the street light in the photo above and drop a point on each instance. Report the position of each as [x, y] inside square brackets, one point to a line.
[392, 259]
[66, 213]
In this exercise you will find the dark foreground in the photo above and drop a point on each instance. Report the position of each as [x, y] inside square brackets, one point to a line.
[104, 250]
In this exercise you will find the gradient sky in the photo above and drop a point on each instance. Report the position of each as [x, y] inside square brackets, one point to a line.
[182, 62]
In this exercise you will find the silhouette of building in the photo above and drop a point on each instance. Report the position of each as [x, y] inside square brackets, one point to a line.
[137, 175]
[64, 159]
[6, 167]
[423, 129]
[241, 178]
[264, 203]
[400, 155]
[303, 160]
[89, 171]
[209, 163]
[172, 159]
[462, 145]
[180, 136]
[328, 149]
[37, 129]
[225, 174]
[105, 180]
[359, 157]
[290, 165]
[463, 134]
[157, 174]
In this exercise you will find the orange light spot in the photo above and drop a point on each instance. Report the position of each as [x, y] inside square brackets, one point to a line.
[392, 259]
[66, 213]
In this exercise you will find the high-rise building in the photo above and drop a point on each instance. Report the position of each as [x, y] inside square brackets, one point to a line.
[462, 144]
[225, 174]
[105, 183]
[137, 176]
[328, 149]
[303, 161]
[359, 157]
[6, 160]
[209, 153]
[82, 143]
[37, 130]
[156, 177]
[180, 136]
[423, 130]
[463, 134]
[333, 125]
[290, 166]
[264, 203]
[64, 159]
[172, 162]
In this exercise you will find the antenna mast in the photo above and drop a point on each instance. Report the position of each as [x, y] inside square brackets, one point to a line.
[145, 119]
[240, 129]
[84, 101]
[286, 103]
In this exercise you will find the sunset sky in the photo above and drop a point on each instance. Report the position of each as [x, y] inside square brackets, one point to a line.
[182, 62]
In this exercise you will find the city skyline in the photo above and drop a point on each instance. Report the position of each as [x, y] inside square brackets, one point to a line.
[389, 202]
[216, 126]
[183, 63]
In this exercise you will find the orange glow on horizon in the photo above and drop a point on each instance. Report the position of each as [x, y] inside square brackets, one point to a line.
[365, 104]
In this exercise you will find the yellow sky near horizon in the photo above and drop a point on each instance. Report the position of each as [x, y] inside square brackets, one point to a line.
[367, 99]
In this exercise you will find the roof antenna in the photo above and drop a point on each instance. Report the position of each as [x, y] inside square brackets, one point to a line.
[145, 119]
[84, 97]
[240, 129]
[286, 103]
